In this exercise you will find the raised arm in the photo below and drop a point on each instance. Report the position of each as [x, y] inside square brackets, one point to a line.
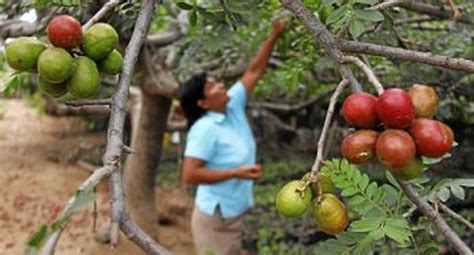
[259, 63]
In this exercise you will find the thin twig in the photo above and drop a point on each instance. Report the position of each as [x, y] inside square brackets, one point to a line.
[456, 216]
[312, 177]
[327, 121]
[106, 101]
[128, 149]
[388, 4]
[438, 221]
[98, 15]
[367, 71]
[90, 182]
[456, 13]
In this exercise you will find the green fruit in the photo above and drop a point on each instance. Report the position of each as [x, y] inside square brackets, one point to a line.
[411, 171]
[55, 65]
[85, 80]
[23, 53]
[289, 201]
[112, 64]
[52, 89]
[99, 40]
[330, 214]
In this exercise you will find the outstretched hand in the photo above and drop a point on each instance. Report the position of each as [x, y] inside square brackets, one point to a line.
[249, 172]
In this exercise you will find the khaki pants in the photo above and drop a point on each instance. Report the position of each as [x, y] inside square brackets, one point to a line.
[215, 235]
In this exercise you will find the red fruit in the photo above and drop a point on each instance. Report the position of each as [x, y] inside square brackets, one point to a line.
[359, 147]
[65, 31]
[395, 149]
[360, 110]
[395, 108]
[432, 138]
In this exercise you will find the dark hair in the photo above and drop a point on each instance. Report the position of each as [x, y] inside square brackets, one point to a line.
[192, 91]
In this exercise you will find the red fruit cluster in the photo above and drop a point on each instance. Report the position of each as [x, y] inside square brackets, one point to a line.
[404, 136]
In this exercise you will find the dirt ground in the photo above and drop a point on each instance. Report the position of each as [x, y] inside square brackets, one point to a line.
[39, 174]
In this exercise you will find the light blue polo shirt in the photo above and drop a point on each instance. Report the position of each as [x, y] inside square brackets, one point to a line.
[224, 141]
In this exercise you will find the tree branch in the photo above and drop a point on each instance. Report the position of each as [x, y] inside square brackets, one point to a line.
[162, 39]
[106, 101]
[410, 55]
[435, 217]
[98, 15]
[456, 216]
[322, 37]
[431, 10]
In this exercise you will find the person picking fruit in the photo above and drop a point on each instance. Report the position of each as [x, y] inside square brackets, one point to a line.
[220, 153]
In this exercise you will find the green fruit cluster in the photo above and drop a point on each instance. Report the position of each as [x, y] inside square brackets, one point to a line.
[329, 212]
[73, 71]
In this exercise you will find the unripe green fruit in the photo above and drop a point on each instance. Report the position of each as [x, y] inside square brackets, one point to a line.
[99, 40]
[289, 201]
[22, 53]
[53, 89]
[85, 80]
[112, 64]
[330, 214]
[55, 65]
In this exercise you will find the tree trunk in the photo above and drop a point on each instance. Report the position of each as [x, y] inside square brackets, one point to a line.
[148, 127]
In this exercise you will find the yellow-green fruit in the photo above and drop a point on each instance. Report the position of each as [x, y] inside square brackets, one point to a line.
[411, 171]
[289, 201]
[85, 80]
[330, 214]
[99, 40]
[52, 89]
[55, 65]
[325, 184]
[22, 53]
[112, 64]
[425, 100]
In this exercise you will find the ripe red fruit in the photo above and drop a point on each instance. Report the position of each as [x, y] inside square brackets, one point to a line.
[359, 147]
[395, 149]
[64, 31]
[360, 110]
[432, 138]
[395, 108]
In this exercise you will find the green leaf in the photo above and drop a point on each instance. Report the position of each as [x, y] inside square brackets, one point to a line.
[399, 234]
[392, 179]
[391, 194]
[466, 182]
[349, 191]
[337, 15]
[364, 182]
[458, 191]
[366, 225]
[36, 240]
[444, 194]
[11, 86]
[369, 240]
[369, 15]
[365, 1]
[193, 18]
[356, 28]
[355, 200]
[184, 6]
[372, 189]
